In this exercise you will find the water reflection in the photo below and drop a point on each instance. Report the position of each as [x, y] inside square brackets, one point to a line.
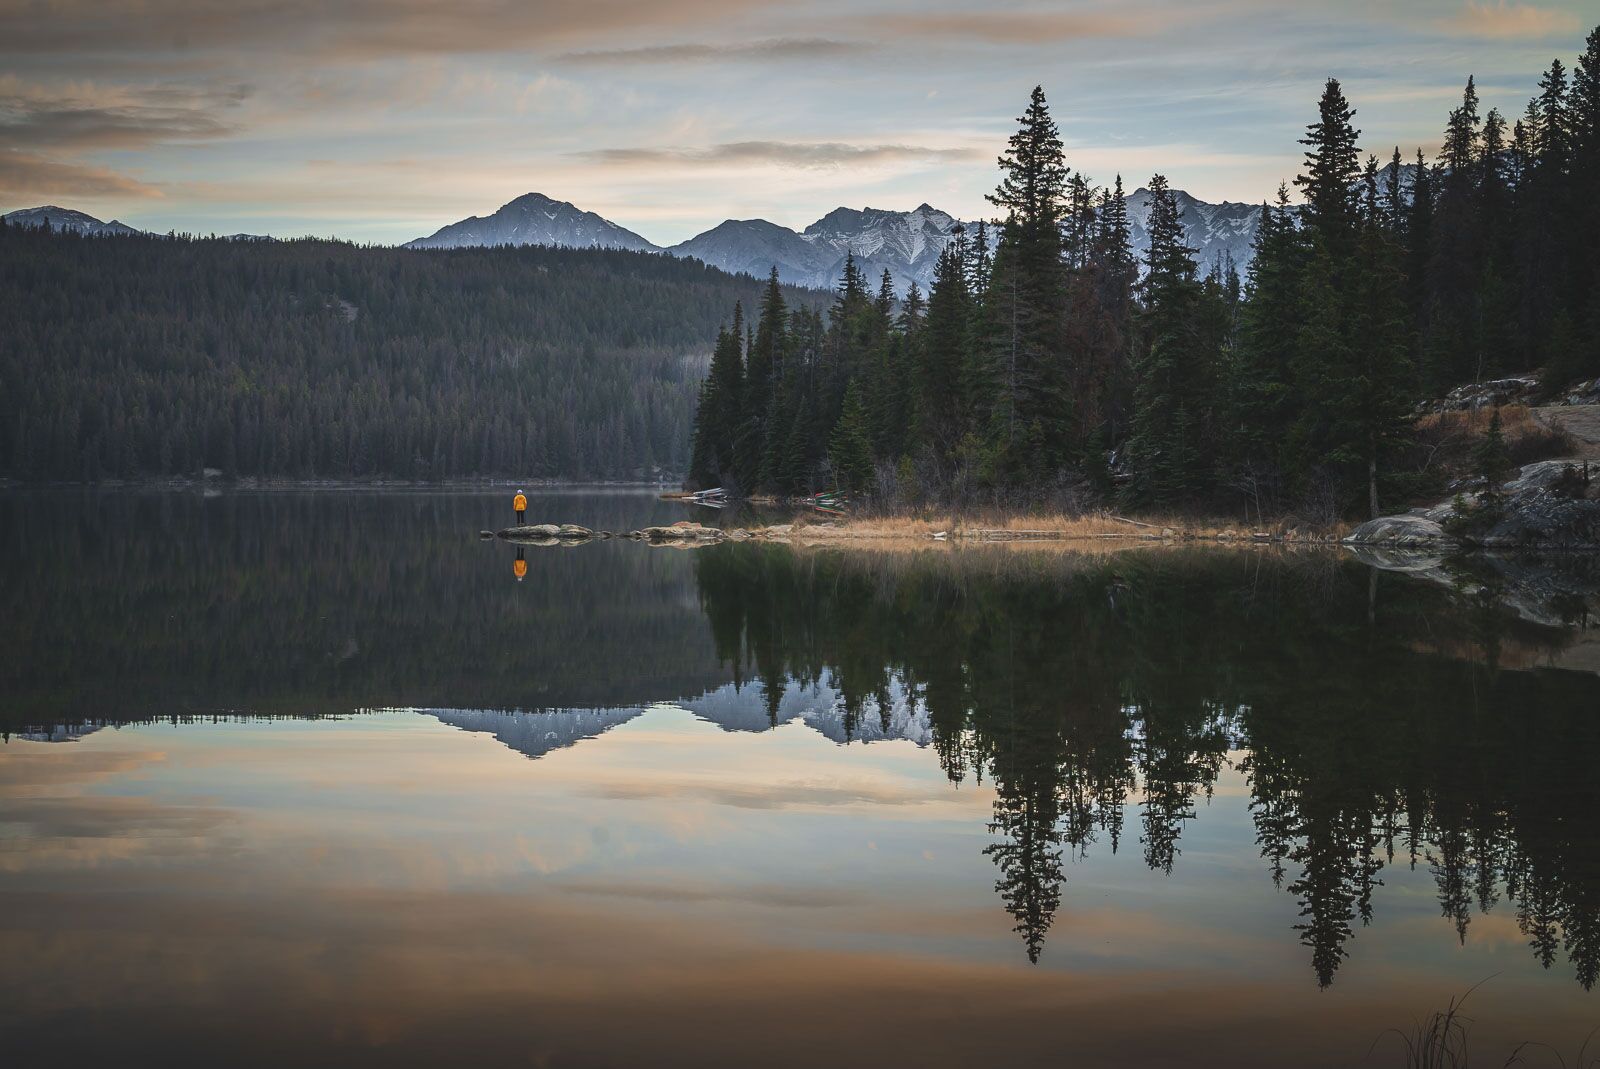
[1376, 730]
[1376, 723]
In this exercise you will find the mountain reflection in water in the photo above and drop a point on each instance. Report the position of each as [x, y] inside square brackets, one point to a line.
[1133, 746]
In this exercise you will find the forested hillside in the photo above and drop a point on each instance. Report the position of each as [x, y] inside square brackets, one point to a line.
[145, 356]
[1053, 370]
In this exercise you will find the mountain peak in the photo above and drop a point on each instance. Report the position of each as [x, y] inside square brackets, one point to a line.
[61, 218]
[535, 219]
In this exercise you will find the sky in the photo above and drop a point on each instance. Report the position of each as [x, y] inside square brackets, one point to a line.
[382, 120]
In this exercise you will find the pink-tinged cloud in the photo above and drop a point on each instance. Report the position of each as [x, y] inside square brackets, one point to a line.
[25, 175]
[1019, 27]
[1503, 21]
[819, 154]
[351, 29]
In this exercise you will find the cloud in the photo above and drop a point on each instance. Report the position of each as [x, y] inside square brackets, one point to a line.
[774, 895]
[802, 154]
[1017, 27]
[774, 49]
[767, 795]
[1503, 21]
[24, 174]
[93, 118]
[349, 28]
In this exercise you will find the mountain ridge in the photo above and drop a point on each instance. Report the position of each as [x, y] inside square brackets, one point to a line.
[906, 244]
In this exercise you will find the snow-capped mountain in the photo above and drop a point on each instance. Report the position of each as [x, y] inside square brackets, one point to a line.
[906, 244]
[536, 733]
[66, 219]
[820, 708]
[754, 247]
[535, 219]
[1215, 231]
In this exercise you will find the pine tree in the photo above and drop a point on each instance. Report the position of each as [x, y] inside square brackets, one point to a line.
[1394, 198]
[1173, 376]
[1491, 458]
[1328, 181]
[1027, 291]
[1583, 119]
[719, 430]
[763, 378]
[946, 339]
[1348, 365]
[1260, 392]
[850, 444]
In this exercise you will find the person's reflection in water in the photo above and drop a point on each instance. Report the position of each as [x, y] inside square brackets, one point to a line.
[519, 567]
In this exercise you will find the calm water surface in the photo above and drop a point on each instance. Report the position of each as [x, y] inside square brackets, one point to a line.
[313, 779]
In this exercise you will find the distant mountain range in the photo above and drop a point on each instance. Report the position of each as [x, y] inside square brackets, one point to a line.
[66, 219]
[820, 708]
[906, 244]
[535, 219]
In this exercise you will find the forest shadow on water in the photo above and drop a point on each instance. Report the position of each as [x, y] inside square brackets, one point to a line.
[1271, 795]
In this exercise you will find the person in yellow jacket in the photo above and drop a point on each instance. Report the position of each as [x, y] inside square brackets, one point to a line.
[520, 505]
[520, 567]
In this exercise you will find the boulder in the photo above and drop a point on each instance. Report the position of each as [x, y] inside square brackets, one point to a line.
[1541, 475]
[1410, 530]
[676, 533]
[572, 530]
[1544, 519]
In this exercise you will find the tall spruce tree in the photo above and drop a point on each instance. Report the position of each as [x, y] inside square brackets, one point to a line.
[766, 374]
[1032, 435]
[946, 339]
[850, 444]
[1261, 398]
[1174, 371]
[1349, 366]
[719, 428]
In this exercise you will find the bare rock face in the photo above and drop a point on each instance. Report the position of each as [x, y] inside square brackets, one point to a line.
[1412, 530]
[1544, 519]
[1547, 505]
[1541, 475]
[1473, 395]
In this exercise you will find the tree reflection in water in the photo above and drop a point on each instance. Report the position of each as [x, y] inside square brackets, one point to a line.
[1377, 720]
[1377, 723]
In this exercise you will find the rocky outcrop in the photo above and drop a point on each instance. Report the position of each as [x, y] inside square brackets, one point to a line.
[1413, 530]
[1548, 505]
[1517, 390]
[682, 534]
[549, 533]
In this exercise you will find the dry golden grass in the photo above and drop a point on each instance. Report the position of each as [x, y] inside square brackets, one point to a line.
[1044, 529]
[1516, 421]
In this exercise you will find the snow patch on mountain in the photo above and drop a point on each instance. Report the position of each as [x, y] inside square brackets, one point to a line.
[535, 219]
[67, 219]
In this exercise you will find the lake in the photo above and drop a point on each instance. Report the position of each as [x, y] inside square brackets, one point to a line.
[314, 778]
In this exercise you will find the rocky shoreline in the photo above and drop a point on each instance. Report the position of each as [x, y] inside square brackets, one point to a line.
[1548, 506]
[688, 534]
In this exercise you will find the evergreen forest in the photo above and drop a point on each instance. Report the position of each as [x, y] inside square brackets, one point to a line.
[133, 357]
[1050, 366]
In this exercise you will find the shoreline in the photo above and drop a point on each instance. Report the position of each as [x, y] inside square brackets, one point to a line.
[219, 486]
